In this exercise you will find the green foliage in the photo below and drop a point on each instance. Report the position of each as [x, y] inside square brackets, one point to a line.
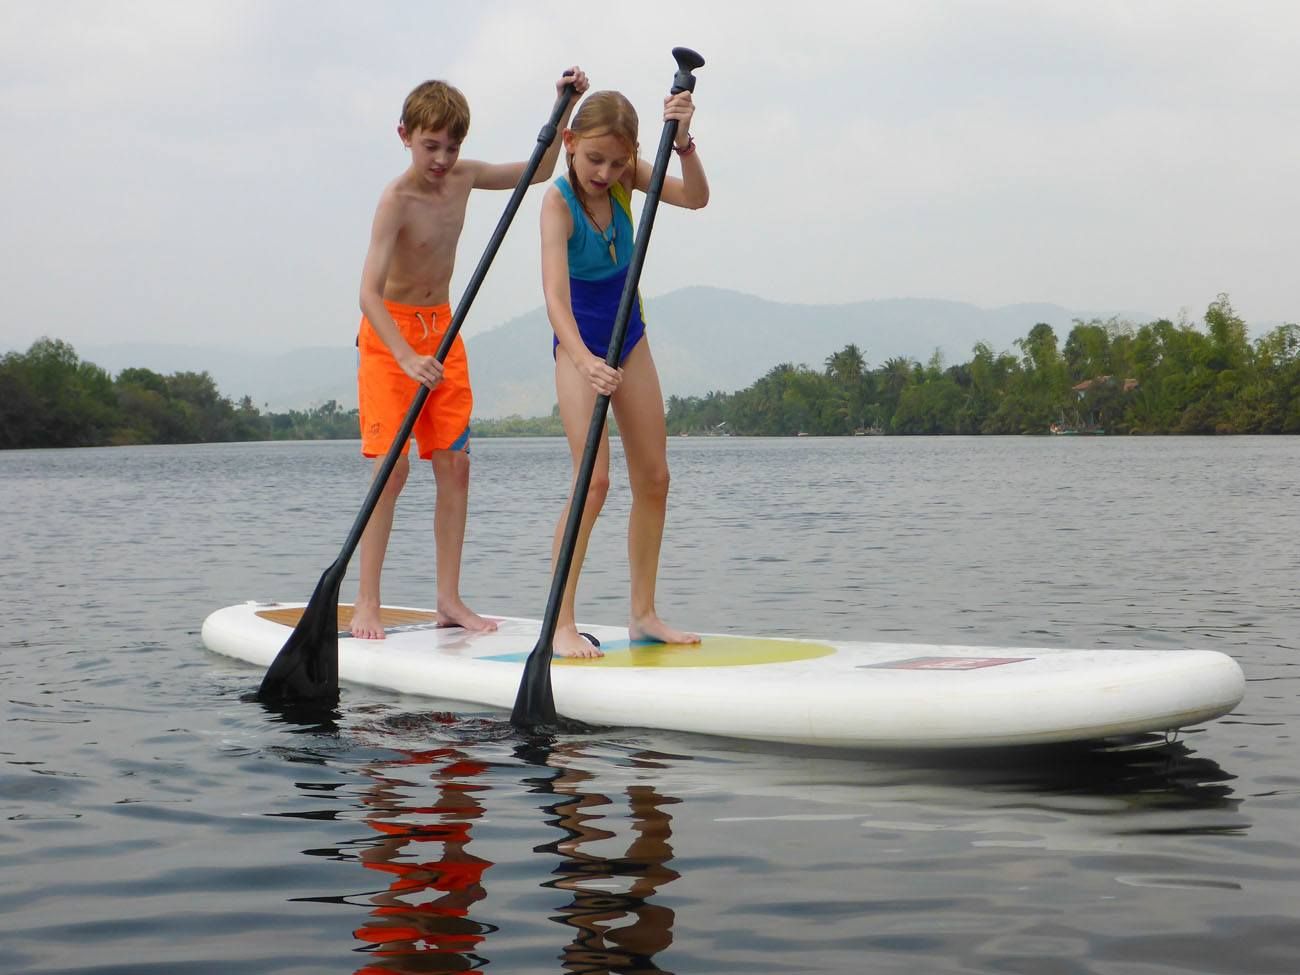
[518, 426]
[1108, 376]
[49, 398]
[328, 421]
[1159, 378]
[47, 395]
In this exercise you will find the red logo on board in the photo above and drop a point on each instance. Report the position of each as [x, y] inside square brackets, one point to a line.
[944, 663]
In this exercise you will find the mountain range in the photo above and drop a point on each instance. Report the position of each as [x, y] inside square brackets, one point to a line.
[703, 339]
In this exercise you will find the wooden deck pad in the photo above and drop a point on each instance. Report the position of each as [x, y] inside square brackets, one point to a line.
[389, 616]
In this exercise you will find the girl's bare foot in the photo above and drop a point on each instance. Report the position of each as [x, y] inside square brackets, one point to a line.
[654, 629]
[571, 643]
[367, 624]
[458, 614]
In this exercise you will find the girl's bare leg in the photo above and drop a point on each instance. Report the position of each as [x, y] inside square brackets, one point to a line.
[639, 406]
[576, 401]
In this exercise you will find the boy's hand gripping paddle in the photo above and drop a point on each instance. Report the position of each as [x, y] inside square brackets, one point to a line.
[307, 666]
[535, 703]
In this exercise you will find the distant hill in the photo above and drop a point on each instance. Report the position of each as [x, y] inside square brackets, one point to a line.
[711, 339]
[703, 338]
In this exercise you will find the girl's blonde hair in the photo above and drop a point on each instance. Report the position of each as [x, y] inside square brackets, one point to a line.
[605, 113]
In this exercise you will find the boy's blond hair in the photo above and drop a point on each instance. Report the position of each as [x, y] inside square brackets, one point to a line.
[436, 105]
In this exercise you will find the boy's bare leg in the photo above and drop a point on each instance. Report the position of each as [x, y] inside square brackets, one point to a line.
[576, 400]
[366, 621]
[638, 405]
[451, 508]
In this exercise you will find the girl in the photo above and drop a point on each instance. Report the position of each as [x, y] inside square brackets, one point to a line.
[587, 244]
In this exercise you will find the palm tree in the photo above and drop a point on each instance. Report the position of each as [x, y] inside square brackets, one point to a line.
[846, 366]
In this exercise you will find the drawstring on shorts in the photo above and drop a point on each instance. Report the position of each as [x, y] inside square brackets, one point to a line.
[428, 329]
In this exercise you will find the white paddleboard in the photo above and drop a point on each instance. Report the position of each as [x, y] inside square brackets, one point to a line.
[815, 692]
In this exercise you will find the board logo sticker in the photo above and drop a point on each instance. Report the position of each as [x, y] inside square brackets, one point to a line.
[944, 663]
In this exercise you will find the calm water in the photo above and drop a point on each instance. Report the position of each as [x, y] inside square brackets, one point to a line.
[153, 821]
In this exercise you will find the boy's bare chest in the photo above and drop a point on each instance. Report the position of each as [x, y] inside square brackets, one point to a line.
[432, 228]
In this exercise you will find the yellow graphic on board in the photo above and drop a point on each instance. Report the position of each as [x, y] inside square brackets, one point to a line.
[712, 651]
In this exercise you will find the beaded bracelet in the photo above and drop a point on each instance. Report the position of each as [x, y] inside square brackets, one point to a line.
[687, 149]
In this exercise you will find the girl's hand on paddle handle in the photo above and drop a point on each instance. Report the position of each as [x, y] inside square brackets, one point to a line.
[424, 369]
[680, 107]
[603, 378]
[573, 76]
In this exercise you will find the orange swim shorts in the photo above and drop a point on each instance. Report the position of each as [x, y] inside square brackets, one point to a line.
[385, 393]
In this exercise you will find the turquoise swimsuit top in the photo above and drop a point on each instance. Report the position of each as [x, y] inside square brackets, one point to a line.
[589, 258]
[596, 280]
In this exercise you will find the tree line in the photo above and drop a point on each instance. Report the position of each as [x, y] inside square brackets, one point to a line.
[1109, 376]
[50, 398]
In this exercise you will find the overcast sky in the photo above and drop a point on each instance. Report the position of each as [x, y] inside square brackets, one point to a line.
[206, 172]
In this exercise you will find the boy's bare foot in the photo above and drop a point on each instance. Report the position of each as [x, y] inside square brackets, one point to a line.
[458, 614]
[367, 624]
[571, 643]
[654, 629]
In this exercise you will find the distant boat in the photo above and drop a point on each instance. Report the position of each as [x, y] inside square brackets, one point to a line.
[1079, 427]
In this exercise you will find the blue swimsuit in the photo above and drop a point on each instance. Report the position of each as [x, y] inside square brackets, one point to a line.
[595, 279]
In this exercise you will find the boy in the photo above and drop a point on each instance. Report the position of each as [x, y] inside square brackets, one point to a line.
[405, 285]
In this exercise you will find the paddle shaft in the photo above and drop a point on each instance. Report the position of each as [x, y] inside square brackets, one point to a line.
[535, 703]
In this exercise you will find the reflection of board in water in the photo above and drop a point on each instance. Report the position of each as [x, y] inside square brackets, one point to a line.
[835, 693]
[424, 808]
[605, 814]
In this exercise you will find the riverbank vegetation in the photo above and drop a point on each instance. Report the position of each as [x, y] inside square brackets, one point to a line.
[1107, 377]
[50, 398]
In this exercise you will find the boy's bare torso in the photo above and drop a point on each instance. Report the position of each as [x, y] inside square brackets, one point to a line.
[424, 254]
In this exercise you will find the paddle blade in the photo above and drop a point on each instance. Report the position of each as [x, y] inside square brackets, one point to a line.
[307, 666]
[535, 704]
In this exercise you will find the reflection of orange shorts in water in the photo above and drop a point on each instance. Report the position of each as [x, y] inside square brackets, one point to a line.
[385, 393]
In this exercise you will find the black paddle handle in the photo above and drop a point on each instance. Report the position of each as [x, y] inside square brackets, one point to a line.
[534, 704]
[544, 139]
[687, 61]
